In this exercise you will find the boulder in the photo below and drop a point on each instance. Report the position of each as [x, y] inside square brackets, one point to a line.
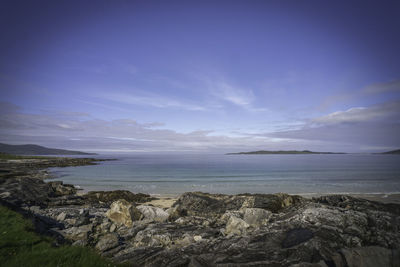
[107, 242]
[122, 212]
[236, 226]
[153, 213]
[256, 217]
[80, 233]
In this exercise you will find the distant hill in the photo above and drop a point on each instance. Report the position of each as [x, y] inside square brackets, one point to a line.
[37, 150]
[260, 152]
[397, 151]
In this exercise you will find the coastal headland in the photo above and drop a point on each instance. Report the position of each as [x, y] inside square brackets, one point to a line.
[201, 229]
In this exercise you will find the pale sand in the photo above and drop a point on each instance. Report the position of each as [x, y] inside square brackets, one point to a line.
[162, 202]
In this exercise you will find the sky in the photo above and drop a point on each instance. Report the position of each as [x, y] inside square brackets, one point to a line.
[201, 76]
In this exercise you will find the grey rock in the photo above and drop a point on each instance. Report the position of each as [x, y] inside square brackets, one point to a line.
[106, 198]
[107, 242]
[256, 217]
[367, 257]
[78, 233]
[297, 236]
[61, 216]
[153, 213]
[236, 226]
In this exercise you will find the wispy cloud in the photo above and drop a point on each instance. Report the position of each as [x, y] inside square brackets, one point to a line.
[236, 96]
[153, 100]
[360, 114]
[368, 91]
[224, 91]
[393, 86]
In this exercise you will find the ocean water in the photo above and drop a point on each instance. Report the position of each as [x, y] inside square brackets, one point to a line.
[231, 174]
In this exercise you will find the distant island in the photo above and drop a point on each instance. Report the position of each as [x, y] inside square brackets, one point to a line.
[264, 152]
[37, 150]
[397, 151]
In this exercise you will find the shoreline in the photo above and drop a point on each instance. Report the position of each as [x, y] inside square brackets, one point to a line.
[390, 197]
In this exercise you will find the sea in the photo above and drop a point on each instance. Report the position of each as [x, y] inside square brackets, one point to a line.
[174, 174]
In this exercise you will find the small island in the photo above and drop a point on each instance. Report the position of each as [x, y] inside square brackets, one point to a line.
[395, 152]
[269, 152]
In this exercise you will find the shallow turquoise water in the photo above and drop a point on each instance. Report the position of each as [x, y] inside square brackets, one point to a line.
[231, 174]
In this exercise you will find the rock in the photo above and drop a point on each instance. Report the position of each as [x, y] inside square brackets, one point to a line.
[153, 213]
[107, 242]
[308, 264]
[297, 236]
[197, 238]
[367, 257]
[71, 221]
[236, 226]
[113, 227]
[35, 209]
[122, 212]
[150, 239]
[272, 202]
[62, 189]
[80, 243]
[194, 220]
[83, 217]
[20, 191]
[78, 233]
[5, 195]
[61, 216]
[107, 197]
[256, 217]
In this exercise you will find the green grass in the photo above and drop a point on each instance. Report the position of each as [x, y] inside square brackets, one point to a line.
[21, 246]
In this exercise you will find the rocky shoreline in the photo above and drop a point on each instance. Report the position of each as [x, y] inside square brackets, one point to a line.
[202, 229]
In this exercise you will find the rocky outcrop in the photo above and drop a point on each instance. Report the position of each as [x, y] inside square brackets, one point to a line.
[35, 192]
[214, 205]
[301, 233]
[22, 182]
[105, 198]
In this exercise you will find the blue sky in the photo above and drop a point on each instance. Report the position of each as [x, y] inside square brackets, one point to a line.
[201, 76]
